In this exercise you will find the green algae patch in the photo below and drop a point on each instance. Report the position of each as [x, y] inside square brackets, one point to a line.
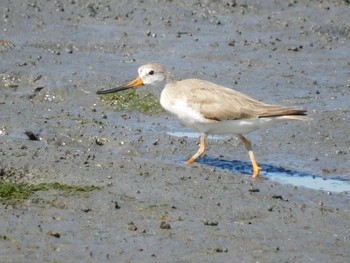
[14, 193]
[132, 100]
[7, 238]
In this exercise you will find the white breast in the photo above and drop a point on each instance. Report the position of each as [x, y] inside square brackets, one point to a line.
[179, 107]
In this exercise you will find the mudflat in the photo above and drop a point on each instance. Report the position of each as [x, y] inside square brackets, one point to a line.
[111, 184]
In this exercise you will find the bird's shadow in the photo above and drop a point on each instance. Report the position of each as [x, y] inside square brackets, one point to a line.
[268, 170]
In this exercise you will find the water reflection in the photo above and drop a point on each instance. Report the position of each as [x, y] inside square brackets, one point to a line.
[281, 175]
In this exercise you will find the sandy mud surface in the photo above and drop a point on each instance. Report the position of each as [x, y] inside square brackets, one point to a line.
[152, 207]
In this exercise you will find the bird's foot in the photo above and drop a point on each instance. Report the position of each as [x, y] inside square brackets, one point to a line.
[256, 171]
[190, 161]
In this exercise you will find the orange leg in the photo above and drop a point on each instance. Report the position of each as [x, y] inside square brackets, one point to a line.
[200, 151]
[248, 146]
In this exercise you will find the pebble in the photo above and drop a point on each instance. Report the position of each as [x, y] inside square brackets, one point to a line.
[165, 225]
[116, 205]
[54, 234]
[132, 226]
[210, 223]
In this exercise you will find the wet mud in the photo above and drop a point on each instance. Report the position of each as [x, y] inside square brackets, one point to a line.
[151, 207]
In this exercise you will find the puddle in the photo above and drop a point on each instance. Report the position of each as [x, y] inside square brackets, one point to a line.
[283, 176]
[274, 173]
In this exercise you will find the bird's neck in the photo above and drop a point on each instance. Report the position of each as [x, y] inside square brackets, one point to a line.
[169, 78]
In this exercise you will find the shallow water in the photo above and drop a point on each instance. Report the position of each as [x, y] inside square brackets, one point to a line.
[283, 176]
[278, 174]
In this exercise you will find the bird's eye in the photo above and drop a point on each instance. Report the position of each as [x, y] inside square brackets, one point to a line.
[151, 72]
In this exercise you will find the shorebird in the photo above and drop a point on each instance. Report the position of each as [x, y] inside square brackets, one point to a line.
[212, 109]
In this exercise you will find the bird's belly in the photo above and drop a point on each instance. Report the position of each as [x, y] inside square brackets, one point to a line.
[234, 126]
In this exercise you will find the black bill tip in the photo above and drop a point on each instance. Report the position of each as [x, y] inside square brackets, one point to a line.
[99, 92]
